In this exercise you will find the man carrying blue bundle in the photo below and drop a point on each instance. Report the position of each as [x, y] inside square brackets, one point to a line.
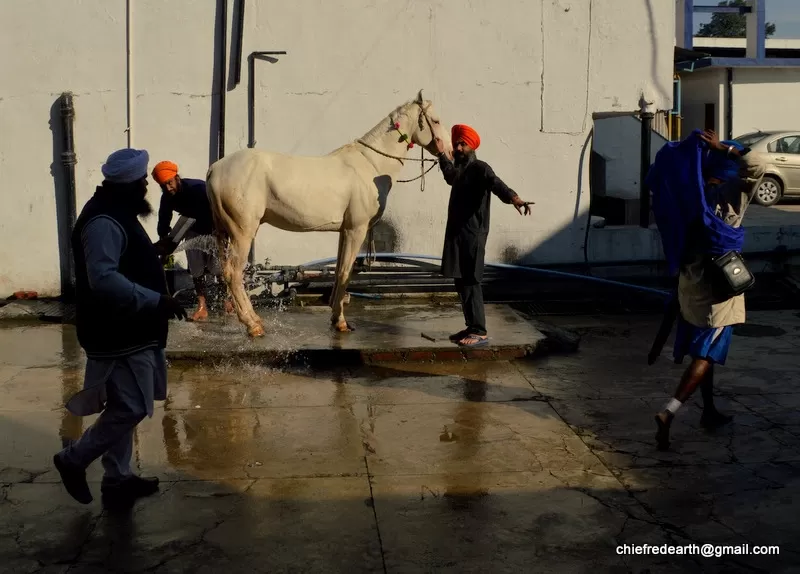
[701, 189]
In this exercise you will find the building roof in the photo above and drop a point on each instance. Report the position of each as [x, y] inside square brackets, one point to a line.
[730, 53]
[741, 43]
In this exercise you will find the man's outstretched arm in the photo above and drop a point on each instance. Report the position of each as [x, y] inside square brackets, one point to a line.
[505, 193]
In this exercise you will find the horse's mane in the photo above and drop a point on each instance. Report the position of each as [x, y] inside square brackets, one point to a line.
[380, 128]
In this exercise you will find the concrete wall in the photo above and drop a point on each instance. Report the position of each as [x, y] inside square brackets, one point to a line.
[698, 89]
[527, 75]
[765, 99]
[618, 140]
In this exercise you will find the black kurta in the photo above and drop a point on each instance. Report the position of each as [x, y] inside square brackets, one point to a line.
[468, 216]
[191, 201]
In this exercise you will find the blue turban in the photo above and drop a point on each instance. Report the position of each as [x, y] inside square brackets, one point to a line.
[126, 165]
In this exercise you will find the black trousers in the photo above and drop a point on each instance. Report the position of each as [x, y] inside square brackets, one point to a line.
[472, 304]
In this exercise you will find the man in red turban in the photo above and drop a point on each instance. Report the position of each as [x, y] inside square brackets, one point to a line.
[189, 198]
[472, 182]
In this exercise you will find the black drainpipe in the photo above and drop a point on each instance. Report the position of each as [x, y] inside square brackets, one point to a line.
[223, 51]
[68, 159]
[729, 106]
[251, 90]
[237, 69]
[644, 192]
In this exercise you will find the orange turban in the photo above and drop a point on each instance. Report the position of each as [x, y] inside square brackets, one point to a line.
[466, 134]
[164, 171]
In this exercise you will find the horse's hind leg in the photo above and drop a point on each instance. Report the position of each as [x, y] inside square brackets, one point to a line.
[233, 271]
[350, 241]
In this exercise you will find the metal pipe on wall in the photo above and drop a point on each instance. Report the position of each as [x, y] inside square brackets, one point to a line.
[251, 89]
[223, 88]
[68, 160]
[729, 105]
[129, 71]
[237, 67]
[644, 191]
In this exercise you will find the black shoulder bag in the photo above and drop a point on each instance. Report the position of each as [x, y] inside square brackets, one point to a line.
[728, 275]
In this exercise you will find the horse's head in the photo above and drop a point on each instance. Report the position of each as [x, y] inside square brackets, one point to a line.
[427, 126]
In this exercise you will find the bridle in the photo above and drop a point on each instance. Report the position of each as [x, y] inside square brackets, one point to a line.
[422, 160]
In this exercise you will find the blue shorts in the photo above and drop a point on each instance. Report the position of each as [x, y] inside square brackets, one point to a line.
[710, 343]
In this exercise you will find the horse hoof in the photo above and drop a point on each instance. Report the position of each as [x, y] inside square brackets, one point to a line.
[257, 331]
[344, 327]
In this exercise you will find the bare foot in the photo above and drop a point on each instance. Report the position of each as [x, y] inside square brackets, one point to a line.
[201, 314]
[473, 341]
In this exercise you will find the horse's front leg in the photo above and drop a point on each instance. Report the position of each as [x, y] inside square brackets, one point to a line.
[350, 240]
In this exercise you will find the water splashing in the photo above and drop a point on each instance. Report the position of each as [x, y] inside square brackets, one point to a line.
[206, 243]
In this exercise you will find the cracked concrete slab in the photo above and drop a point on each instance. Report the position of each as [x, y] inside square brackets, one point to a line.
[538, 465]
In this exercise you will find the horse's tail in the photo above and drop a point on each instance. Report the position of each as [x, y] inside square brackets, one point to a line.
[221, 220]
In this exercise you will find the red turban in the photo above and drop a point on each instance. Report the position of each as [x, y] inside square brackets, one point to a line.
[164, 171]
[462, 132]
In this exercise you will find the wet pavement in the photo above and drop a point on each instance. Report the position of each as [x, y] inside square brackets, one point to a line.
[383, 332]
[541, 465]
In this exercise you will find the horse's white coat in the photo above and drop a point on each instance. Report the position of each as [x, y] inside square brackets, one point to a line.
[343, 191]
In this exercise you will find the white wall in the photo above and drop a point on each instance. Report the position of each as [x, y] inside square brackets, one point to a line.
[618, 140]
[526, 75]
[698, 89]
[765, 99]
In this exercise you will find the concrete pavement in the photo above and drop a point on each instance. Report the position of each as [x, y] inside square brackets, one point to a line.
[543, 465]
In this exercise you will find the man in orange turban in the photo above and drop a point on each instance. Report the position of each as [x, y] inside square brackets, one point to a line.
[188, 197]
[472, 182]
[465, 134]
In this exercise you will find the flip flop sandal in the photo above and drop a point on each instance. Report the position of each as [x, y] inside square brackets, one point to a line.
[479, 341]
[458, 336]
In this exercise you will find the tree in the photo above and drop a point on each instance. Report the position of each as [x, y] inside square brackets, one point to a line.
[729, 25]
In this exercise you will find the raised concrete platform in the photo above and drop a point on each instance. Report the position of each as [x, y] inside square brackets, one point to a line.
[414, 333]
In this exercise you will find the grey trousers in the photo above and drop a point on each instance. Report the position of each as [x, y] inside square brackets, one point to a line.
[471, 296]
[200, 261]
[111, 435]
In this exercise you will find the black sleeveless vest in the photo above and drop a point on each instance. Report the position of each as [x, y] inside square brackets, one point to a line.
[106, 330]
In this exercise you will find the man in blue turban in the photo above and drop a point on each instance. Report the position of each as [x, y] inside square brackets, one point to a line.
[122, 310]
[701, 188]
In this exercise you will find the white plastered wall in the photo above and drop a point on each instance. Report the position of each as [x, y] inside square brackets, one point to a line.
[527, 75]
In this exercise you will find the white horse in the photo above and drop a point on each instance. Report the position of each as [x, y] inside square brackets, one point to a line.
[343, 191]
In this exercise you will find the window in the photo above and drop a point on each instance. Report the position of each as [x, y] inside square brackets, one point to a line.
[749, 140]
[787, 144]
